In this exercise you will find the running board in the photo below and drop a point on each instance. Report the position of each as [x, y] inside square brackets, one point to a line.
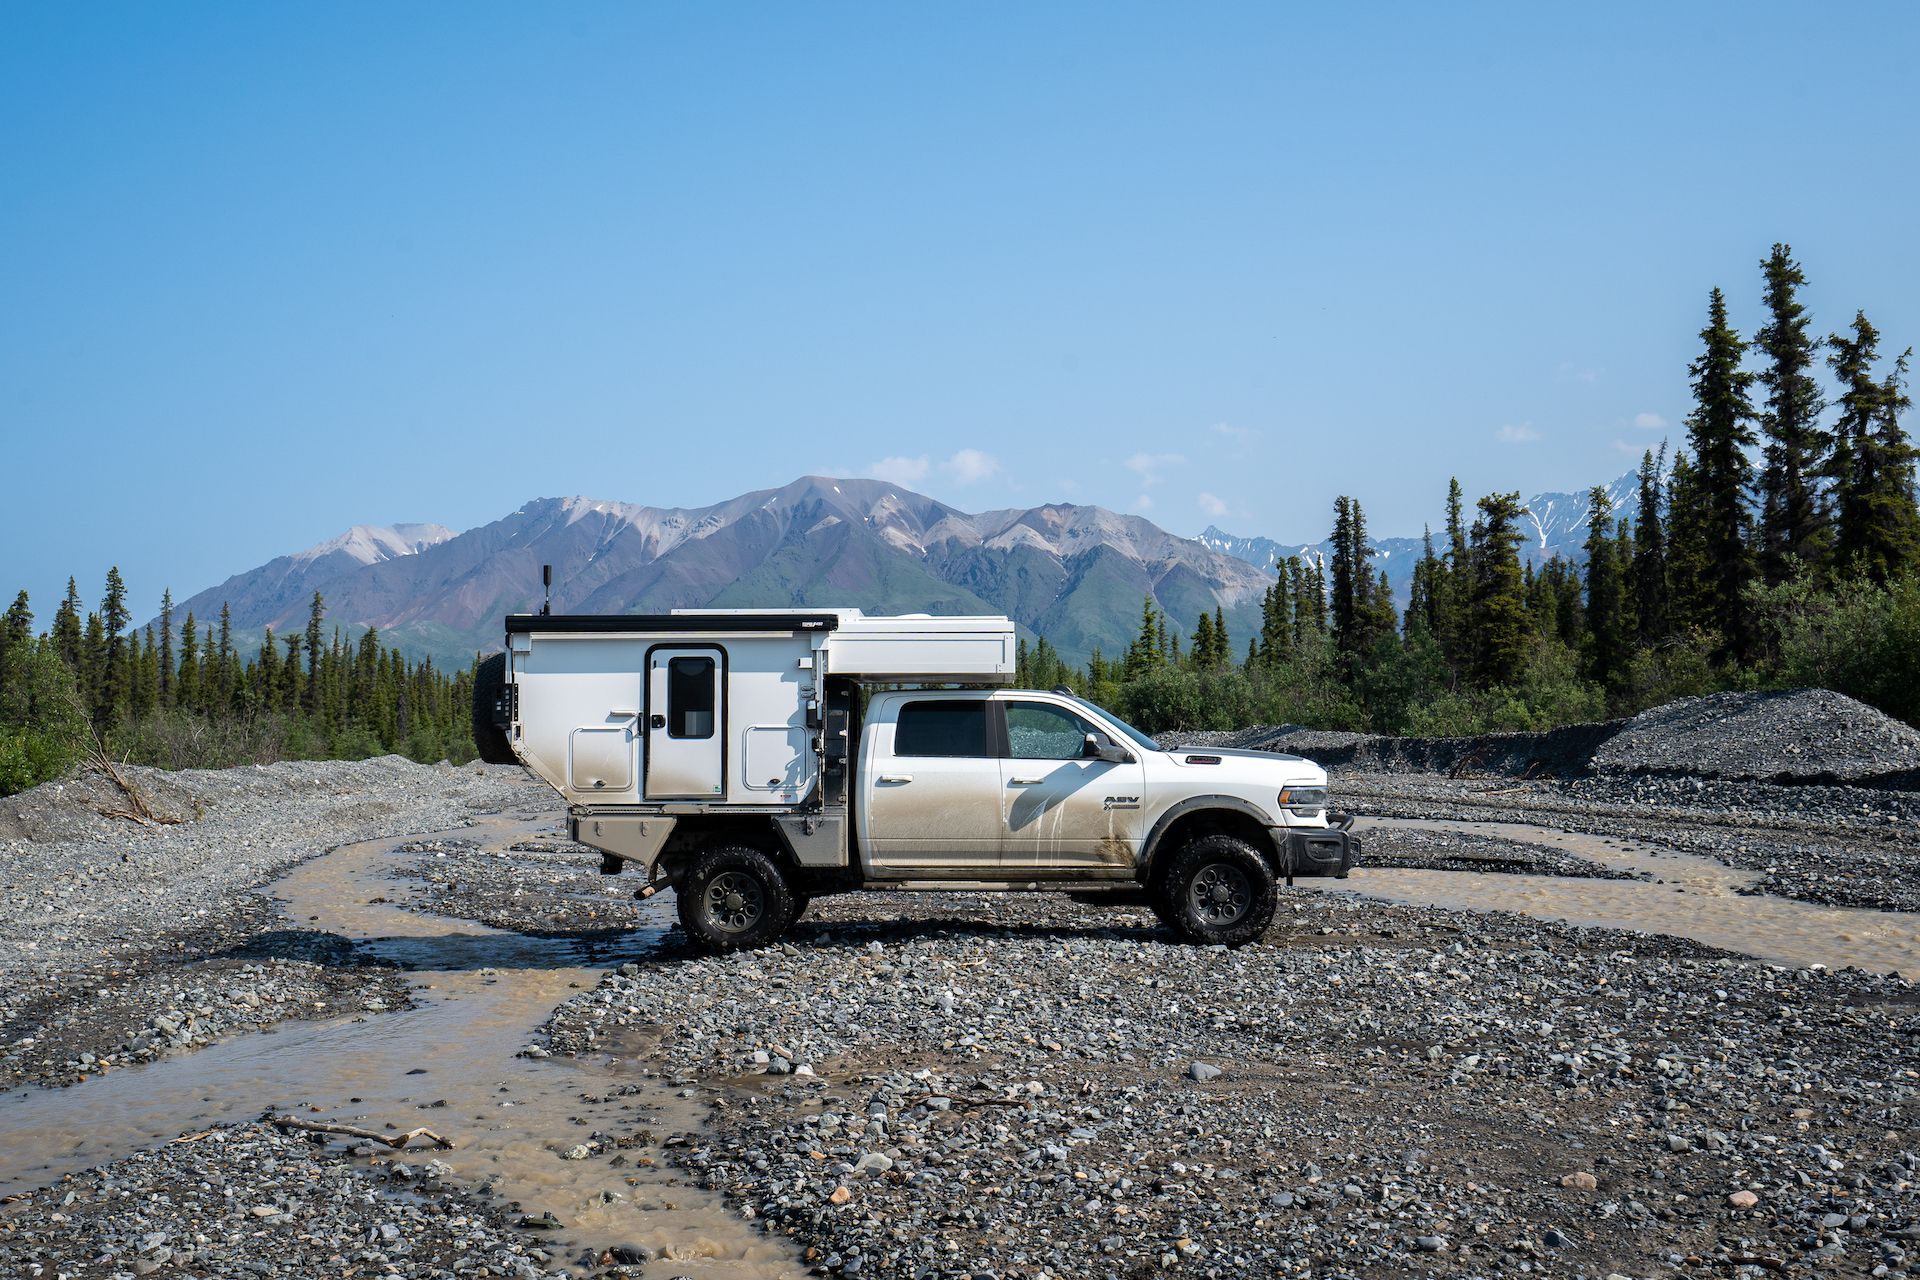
[1008, 886]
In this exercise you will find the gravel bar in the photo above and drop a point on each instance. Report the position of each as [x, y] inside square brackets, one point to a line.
[947, 1086]
[125, 940]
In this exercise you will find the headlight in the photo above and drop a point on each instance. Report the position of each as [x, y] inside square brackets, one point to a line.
[1303, 801]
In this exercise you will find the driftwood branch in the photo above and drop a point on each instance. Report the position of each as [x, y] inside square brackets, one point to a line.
[394, 1140]
[140, 810]
[966, 1102]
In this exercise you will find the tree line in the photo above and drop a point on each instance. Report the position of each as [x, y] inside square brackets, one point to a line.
[1780, 546]
[186, 696]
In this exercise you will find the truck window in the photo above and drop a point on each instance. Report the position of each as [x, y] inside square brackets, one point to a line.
[690, 687]
[1041, 731]
[943, 728]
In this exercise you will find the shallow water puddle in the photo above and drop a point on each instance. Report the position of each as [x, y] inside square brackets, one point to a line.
[1689, 897]
[450, 1064]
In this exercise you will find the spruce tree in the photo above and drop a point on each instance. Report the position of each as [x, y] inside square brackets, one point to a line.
[291, 687]
[316, 633]
[1499, 606]
[1794, 522]
[1276, 622]
[1340, 606]
[166, 648]
[1720, 429]
[1649, 563]
[16, 628]
[67, 639]
[19, 618]
[227, 685]
[1222, 643]
[1354, 606]
[1453, 588]
[1203, 642]
[1606, 629]
[117, 672]
[265, 675]
[187, 682]
[1144, 653]
[1873, 463]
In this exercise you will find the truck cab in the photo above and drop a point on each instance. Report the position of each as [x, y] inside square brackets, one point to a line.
[754, 760]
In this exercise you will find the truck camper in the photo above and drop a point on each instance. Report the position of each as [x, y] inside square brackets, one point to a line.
[752, 760]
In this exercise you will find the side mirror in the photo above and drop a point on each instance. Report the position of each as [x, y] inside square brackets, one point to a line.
[1100, 747]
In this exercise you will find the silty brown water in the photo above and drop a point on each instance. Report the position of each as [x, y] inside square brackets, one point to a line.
[1688, 897]
[451, 1063]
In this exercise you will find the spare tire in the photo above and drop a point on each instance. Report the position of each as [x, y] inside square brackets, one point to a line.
[489, 701]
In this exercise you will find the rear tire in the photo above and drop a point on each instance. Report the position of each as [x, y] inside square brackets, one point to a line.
[489, 687]
[734, 898]
[1218, 892]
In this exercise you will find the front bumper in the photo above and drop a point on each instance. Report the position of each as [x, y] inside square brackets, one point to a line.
[1319, 851]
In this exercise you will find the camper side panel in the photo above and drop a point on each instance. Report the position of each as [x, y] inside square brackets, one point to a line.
[586, 713]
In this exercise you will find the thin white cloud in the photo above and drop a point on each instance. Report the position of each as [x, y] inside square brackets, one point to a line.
[1143, 503]
[1149, 466]
[970, 466]
[1240, 435]
[1649, 421]
[901, 471]
[1211, 505]
[1517, 433]
[1631, 450]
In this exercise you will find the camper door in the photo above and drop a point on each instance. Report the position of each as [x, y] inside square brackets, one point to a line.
[686, 733]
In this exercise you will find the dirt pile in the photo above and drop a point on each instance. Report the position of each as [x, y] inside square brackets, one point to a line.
[1794, 735]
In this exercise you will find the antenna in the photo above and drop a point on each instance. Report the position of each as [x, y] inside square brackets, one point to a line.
[546, 580]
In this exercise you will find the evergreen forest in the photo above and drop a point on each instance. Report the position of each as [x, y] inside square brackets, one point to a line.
[1778, 546]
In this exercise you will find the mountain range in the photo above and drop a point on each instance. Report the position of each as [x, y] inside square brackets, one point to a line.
[1075, 574]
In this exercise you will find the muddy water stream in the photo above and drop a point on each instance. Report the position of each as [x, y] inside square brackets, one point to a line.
[451, 1063]
[1687, 897]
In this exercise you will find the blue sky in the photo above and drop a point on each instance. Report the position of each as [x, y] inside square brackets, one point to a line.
[270, 271]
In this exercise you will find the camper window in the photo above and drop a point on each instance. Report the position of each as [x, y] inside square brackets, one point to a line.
[690, 688]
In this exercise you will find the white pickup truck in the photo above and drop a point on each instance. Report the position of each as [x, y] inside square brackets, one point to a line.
[754, 760]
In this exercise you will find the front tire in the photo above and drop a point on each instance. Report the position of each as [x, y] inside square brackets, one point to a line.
[1218, 892]
[734, 898]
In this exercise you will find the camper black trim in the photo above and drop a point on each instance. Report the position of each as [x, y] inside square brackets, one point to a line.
[523, 623]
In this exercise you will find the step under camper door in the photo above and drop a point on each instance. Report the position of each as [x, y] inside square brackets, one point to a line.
[686, 729]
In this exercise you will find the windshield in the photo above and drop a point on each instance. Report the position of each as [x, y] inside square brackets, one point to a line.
[1140, 739]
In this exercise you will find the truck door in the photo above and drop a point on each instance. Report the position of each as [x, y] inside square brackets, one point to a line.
[930, 789]
[686, 739]
[1064, 811]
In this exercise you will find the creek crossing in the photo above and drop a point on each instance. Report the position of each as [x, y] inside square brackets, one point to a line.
[453, 1063]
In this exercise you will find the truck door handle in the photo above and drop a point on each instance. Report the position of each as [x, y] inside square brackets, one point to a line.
[1025, 782]
[896, 777]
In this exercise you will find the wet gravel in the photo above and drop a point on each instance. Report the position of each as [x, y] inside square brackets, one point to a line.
[545, 885]
[1022, 1087]
[123, 940]
[252, 1201]
[1842, 846]
[1469, 851]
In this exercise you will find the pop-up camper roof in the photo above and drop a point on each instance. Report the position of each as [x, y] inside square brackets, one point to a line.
[914, 646]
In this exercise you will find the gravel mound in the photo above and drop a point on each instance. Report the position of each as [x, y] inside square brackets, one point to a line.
[1790, 737]
[1795, 735]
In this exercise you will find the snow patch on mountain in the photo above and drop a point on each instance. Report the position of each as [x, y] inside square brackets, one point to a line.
[371, 543]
